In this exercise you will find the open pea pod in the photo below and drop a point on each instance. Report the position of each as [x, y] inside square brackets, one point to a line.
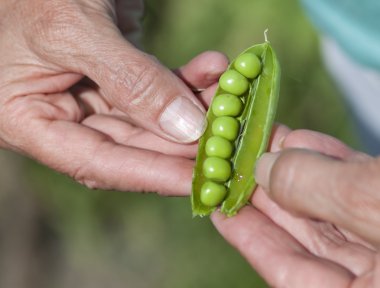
[232, 187]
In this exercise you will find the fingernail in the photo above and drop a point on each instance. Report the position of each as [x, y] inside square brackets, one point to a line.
[183, 120]
[263, 169]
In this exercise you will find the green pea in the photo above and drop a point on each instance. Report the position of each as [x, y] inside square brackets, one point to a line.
[217, 169]
[212, 194]
[248, 133]
[233, 82]
[219, 147]
[226, 127]
[227, 105]
[248, 64]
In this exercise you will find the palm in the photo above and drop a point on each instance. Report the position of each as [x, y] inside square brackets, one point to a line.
[321, 250]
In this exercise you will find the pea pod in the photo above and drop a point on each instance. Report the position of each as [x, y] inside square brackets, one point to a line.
[255, 125]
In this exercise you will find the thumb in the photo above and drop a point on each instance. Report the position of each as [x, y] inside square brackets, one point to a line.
[343, 192]
[296, 179]
[148, 93]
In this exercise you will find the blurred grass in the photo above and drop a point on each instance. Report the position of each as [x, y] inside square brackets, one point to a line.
[309, 99]
[100, 239]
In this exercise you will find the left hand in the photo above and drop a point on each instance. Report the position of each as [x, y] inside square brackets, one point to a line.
[79, 97]
[309, 240]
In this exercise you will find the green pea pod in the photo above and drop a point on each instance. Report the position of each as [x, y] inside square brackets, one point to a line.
[256, 121]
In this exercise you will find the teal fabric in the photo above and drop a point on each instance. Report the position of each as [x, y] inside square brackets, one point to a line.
[354, 24]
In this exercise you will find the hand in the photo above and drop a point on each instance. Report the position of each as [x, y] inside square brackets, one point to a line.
[319, 228]
[80, 98]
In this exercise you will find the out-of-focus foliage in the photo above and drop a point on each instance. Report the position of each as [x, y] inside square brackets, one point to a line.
[82, 238]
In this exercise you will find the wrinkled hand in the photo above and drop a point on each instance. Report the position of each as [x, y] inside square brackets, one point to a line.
[319, 225]
[80, 98]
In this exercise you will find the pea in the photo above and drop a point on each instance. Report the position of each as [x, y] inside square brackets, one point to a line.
[227, 105]
[247, 131]
[217, 169]
[212, 194]
[233, 82]
[218, 147]
[248, 64]
[226, 127]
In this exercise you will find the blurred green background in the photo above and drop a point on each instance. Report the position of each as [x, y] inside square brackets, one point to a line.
[56, 233]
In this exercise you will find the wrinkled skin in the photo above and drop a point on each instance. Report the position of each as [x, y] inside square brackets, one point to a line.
[314, 220]
[76, 94]
[80, 98]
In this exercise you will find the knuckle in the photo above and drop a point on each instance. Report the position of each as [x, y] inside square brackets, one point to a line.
[90, 170]
[81, 175]
[325, 236]
[138, 80]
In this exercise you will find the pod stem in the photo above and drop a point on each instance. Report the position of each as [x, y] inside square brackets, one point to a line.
[266, 35]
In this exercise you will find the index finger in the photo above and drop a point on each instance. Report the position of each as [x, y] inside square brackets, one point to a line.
[321, 143]
[95, 160]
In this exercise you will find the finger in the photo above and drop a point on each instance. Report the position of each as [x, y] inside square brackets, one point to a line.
[90, 98]
[206, 95]
[371, 278]
[94, 160]
[322, 187]
[129, 135]
[152, 96]
[320, 238]
[132, 81]
[278, 135]
[327, 145]
[203, 70]
[322, 143]
[278, 257]
[89, 156]
[201, 74]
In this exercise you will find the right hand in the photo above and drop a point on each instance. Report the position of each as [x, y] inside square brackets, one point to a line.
[311, 236]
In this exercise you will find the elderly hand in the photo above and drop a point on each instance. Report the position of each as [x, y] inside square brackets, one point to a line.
[80, 98]
[319, 225]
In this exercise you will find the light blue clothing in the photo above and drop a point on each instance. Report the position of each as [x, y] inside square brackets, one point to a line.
[360, 85]
[354, 24]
